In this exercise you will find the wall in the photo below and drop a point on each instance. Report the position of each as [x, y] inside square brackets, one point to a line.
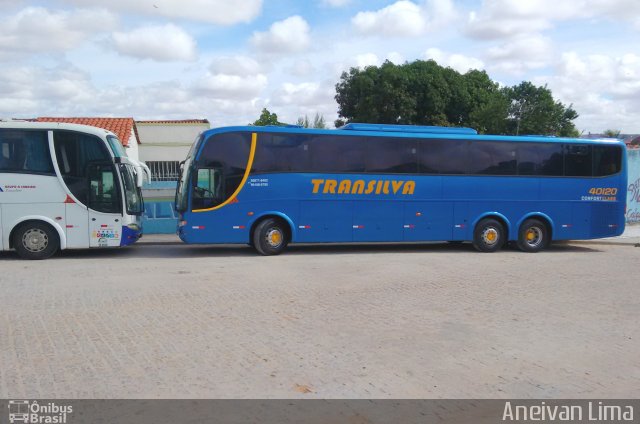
[132, 148]
[164, 141]
[159, 216]
[633, 194]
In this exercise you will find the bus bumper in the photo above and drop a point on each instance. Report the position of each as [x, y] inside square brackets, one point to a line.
[130, 236]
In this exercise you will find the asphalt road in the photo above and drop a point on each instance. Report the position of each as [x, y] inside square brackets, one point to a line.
[392, 321]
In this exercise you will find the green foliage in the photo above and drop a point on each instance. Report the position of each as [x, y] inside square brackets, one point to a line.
[533, 110]
[425, 93]
[318, 122]
[266, 118]
[612, 133]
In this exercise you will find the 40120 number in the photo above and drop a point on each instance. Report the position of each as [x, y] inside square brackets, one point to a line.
[608, 191]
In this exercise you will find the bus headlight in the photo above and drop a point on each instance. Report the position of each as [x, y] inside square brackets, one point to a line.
[134, 227]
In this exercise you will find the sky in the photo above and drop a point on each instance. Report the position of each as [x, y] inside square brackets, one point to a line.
[225, 60]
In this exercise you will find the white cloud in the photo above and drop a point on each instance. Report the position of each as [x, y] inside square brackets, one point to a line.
[162, 43]
[604, 90]
[396, 58]
[522, 53]
[302, 68]
[306, 93]
[232, 87]
[221, 12]
[505, 18]
[288, 36]
[403, 18]
[36, 29]
[459, 62]
[29, 90]
[336, 3]
[235, 65]
[367, 59]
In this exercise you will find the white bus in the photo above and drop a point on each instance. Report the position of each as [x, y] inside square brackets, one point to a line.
[66, 186]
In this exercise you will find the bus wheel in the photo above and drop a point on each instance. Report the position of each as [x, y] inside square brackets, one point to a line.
[532, 236]
[35, 240]
[488, 235]
[270, 237]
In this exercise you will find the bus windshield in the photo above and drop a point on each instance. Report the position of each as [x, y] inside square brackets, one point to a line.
[185, 175]
[116, 147]
[132, 195]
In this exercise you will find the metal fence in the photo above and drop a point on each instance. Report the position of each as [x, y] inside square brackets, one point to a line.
[164, 170]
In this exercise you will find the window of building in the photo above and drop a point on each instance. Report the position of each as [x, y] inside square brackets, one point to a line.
[164, 170]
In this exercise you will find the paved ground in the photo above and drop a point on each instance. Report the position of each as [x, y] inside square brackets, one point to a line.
[169, 320]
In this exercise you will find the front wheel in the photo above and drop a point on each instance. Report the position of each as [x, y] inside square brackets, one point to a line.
[488, 236]
[533, 236]
[35, 240]
[270, 237]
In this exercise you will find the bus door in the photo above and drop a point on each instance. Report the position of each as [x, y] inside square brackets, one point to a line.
[105, 206]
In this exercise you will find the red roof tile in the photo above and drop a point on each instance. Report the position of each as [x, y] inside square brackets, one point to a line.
[119, 126]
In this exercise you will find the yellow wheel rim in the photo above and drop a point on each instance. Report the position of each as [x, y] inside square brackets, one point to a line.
[275, 237]
[490, 236]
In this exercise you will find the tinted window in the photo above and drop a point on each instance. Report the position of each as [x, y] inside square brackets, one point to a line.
[329, 153]
[550, 159]
[391, 155]
[74, 153]
[492, 158]
[443, 156]
[607, 160]
[227, 154]
[103, 193]
[281, 153]
[577, 160]
[25, 151]
[529, 159]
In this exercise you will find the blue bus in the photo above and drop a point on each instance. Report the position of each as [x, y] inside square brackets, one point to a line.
[271, 186]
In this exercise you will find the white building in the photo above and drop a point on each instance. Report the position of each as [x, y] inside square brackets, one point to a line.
[163, 144]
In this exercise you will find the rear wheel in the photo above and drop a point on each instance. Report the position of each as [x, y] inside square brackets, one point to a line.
[270, 237]
[533, 236]
[488, 236]
[35, 240]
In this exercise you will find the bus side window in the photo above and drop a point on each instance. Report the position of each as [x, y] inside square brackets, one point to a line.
[25, 151]
[606, 160]
[208, 190]
[577, 160]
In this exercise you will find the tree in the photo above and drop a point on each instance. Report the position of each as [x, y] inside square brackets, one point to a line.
[533, 110]
[318, 122]
[612, 133]
[266, 118]
[425, 93]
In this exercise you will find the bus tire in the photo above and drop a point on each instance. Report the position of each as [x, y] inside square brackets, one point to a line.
[35, 240]
[533, 236]
[489, 235]
[270, 237]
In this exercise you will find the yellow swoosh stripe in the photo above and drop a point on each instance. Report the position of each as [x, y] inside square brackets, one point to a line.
[247, 171]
